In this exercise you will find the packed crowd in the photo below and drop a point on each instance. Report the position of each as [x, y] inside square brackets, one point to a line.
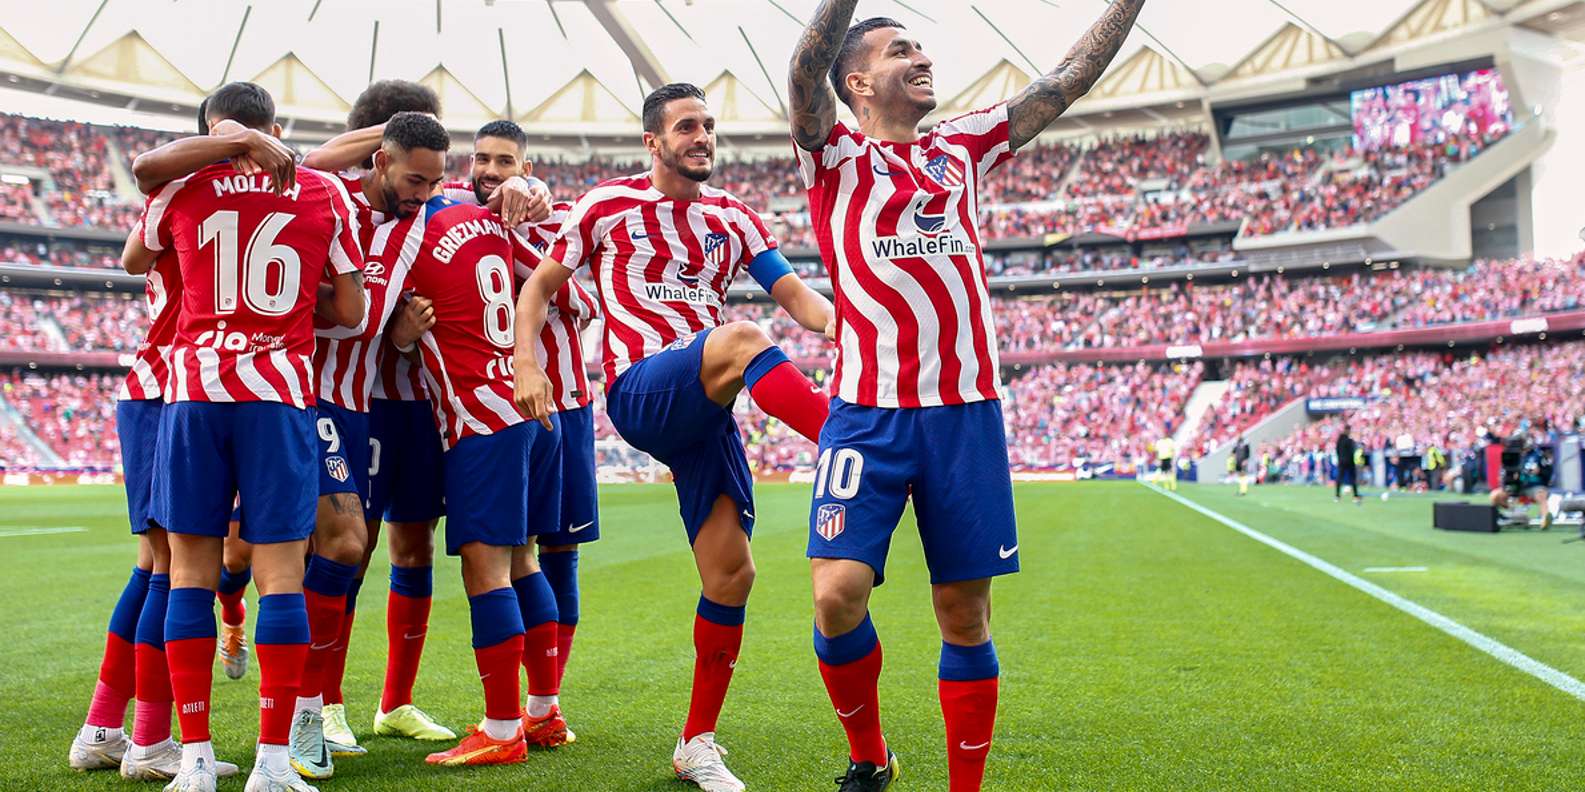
[73, 414]
[58, 253]
[1081, 416]
[71, 322]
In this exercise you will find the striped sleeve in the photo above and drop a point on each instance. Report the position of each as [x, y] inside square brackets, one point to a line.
[576, 240]
[156, 222]
[346, 254]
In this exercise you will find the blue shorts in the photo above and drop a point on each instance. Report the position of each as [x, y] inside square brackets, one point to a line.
[212, 452]
[659, 407]
[503, 488]
[405, 462]
[138, 429]
[952, 460]
[343, 451]
[580, 502]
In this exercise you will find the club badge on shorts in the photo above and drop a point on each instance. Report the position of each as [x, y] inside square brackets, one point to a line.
[830, 520]
[337, 467]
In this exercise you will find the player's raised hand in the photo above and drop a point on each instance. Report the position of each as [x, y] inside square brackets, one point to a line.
[412, 322]
[271, 156]
[539, 201]
[531, 391]
[516, 200]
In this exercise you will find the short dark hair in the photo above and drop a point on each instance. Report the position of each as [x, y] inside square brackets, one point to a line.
[852, 42]
[203, 116]
[504, 129]
[410, 130]
[655, 103]
[386, 98]
[243, 102]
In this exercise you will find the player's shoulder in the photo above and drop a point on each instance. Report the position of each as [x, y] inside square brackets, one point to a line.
[974, 122]
[715, 196]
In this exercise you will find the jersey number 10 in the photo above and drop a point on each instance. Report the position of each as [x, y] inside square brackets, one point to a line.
[256, 265]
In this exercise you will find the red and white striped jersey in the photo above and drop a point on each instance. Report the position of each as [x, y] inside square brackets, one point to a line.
[347, 360]
[395, 377]
[897, 225]
[251, 263]
[560, 346]
[463, 261]
[163, 291]
[661, 267]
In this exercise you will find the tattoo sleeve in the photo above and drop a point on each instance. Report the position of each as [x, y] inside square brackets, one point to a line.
[1045, 99]
[813, 109]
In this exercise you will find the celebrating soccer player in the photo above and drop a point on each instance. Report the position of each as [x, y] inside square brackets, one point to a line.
[915, 409]
[663, 248]
[239, 417]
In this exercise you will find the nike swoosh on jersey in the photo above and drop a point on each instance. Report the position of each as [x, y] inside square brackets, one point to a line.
[1006, 552]
[577, 528]
[885, 173]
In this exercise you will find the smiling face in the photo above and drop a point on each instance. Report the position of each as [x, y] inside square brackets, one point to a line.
[686, 140]
[495, 159]
[898, 80]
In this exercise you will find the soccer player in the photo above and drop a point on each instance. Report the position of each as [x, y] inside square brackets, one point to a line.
[663, 248]
[1166, 462]
[238, 418]
[497, 463]
[499, 150]
[405, 483]
[915, 411]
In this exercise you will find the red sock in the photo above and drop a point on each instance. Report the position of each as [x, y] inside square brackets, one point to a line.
[406, 622]
[970, 712]
[337, 668]
[191, 661]
[540, 660]
[117, 684]
[151, 724]
[325, 615]
[280, 672]
[715, 655]
[785, 393]
[564, 634]
[233, 608]
[503, 694]
[855, 693]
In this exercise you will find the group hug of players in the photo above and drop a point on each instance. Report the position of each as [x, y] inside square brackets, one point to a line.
[353, 345]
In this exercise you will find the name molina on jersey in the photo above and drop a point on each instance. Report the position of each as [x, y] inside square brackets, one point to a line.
[457, 235]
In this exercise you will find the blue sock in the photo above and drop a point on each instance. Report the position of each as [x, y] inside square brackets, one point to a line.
[495, 616]
[969, 663]
[328, 578]
[283, 619]
[761, 365]
[851, 646]
[724, 615]
[233, 582]
[190, 613]
[561, 571]
[151, 620]
[413, 582]
[535, 600]
[352, 593]
[124, 617]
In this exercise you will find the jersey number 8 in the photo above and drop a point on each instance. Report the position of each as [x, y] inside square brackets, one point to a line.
[495, 286]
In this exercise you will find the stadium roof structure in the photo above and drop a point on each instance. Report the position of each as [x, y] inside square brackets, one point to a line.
[580, 68]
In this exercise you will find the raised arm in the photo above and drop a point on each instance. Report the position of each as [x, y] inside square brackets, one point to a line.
[136, 258]
[346, 150]
[806, 306]
[814, 103]
[1029, 113]
[251, 150]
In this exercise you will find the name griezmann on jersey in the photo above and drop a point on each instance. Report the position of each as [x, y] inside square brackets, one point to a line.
[448, 245]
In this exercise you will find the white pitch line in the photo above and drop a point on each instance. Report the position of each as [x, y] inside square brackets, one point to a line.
[1497, 649]
[1395, 569]
[40, 531]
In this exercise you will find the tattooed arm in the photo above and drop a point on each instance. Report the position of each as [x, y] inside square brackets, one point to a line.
[814, 104]
[1030, 112]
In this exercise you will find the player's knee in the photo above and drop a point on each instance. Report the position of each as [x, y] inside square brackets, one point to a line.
[340, 536]
[838, 609]
[964, 617]
[744, 339]
[731, 585]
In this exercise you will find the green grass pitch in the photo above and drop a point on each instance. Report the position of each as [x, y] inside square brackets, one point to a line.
[1144, 646]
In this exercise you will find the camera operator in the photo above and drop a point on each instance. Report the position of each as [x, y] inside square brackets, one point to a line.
[1526, 470]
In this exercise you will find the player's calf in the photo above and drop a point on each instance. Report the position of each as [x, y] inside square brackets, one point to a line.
[739, 355]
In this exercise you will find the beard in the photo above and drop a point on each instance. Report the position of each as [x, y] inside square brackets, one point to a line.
[673, 160]
[482, 194]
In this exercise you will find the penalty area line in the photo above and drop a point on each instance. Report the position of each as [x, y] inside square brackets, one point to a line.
[8, 533]
[1491, 646]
